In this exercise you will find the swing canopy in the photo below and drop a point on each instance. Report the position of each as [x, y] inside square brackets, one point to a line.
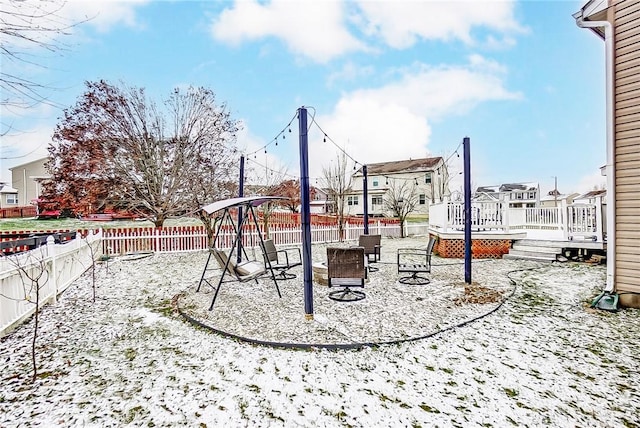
[251, 201]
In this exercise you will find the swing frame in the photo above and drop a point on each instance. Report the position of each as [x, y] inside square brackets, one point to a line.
[246, 211]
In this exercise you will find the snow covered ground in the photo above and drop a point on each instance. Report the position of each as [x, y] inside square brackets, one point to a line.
[542, 358]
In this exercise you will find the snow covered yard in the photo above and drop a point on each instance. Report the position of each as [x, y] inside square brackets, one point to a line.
[540, 359]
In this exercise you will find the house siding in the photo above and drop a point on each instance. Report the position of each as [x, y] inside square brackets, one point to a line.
[626, 19]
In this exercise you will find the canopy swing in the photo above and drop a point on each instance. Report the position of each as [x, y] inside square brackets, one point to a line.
[237, 263]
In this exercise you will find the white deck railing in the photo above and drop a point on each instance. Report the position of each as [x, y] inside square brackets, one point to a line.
[584, 221]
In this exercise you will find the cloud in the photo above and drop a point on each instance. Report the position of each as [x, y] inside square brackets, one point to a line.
[392, 122]
[313, 29]
[590, 182]
[104, 14]
[349, 72]
[402, 24]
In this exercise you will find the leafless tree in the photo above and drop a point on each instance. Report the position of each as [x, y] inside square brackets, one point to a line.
[401, 200]
[27, 30]
[337, 183]
[33, 269]
[160, 161]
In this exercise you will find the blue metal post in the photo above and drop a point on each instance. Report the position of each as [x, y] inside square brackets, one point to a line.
[240, 194]
[365, 195]
[467, 209]
[305, 213]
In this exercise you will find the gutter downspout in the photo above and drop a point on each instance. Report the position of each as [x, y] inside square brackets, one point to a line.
[610, 167]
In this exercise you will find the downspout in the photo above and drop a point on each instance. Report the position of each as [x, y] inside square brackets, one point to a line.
[610, 167]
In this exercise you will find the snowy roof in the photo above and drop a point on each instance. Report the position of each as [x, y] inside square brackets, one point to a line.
[5, 188]
[508, 187]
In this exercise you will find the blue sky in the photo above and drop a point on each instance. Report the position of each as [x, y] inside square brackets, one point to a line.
[386, 80]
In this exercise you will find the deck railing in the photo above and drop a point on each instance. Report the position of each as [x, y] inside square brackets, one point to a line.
[584, 221]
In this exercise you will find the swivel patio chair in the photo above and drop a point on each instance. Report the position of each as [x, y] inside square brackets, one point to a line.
[371, 245]
[281, 260]
[346, 268]
[415, 261]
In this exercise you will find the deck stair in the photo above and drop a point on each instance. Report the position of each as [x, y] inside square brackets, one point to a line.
[530, 249]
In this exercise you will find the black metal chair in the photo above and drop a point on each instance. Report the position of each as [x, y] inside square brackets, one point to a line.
[346, 268]
[415, 261]
[282, 260]
[371, 245]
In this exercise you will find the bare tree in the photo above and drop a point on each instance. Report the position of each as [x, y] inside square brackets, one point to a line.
[401, 200]
[158, 162]
[33, 269]
[28, 29]
[337, 184]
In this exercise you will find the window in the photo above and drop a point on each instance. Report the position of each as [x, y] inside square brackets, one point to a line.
[422, 199]
[375, 182]
[518, 195]
[12, 199]
[376, 200]
[427, 178]
[352, 200]
[532, 195]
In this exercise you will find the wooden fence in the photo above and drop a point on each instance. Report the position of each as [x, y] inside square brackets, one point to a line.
[17, 212]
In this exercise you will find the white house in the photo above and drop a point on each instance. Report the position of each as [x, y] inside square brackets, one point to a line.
[518, 195]
[8, 196]
[27, 179]
[425, 180]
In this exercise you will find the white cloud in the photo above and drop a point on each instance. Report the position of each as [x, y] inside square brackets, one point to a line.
[348, 73]
[590, 182]
[313, 29]
[401, 24]
[392, 122]
[104, 14]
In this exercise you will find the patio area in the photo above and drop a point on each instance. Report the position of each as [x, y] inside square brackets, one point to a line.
[542, 358]
[391, 312]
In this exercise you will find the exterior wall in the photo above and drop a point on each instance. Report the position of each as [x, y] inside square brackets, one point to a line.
[23, 179]
[626, 18]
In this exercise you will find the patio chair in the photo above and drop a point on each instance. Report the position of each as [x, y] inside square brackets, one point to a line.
[371, 245]
[281, 260]
[346, 268]
[415, 261]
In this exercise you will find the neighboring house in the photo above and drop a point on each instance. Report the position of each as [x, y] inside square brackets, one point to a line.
[518, 195]
[319, 203]
[591, 197]
[27, 180]
[8, 196]
[557, 199]
[426, 179]
[617, 22]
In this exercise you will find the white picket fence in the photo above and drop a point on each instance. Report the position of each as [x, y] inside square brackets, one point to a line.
[56, 265]
[195, 239]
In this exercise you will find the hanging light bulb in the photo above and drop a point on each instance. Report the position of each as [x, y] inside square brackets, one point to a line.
[386, 181]
[283, 136]
[324, 140]
[289, 129]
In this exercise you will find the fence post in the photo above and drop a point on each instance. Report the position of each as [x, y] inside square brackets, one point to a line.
[563, 218]
[599, 220]
[51, 253]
